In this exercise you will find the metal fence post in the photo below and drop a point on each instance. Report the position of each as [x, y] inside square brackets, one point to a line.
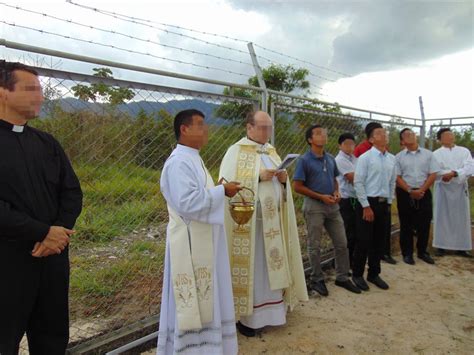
[272, 115]
[258, 72]
[423, 122]
[431, 138]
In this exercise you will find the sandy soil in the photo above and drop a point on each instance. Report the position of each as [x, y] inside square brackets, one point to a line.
[428, 309]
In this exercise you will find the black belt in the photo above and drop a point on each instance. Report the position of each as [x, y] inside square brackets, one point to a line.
[351, 200]
[379, 199]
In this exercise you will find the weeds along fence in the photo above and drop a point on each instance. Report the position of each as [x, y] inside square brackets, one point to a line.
[118, 141]
[118, 151]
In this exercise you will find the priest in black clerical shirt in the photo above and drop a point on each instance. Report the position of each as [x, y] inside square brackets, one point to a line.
[40, 200]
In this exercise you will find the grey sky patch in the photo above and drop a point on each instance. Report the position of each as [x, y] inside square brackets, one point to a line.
[357, 37]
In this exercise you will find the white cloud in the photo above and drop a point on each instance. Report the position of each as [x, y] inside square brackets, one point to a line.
[446, 85]
[300, 29]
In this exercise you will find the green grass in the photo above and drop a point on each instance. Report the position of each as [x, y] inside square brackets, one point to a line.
[117, 200]
[94, 280]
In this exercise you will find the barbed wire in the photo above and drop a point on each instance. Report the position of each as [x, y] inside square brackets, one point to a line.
[123, 49]
[302, 61]
[142, 23]
[123, 34]
[317, 91]
[148, 23]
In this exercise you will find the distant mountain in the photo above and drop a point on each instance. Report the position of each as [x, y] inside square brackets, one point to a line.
[71, 104]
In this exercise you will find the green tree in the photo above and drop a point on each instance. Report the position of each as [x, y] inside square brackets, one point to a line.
[283, 78]
[102, 92]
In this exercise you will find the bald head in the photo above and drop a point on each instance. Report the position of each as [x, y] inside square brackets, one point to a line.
[259, 126]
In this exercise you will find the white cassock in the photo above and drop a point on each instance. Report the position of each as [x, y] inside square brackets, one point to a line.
[452, 218]
[183, 184]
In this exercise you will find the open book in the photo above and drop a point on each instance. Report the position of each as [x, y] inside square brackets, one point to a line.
[289, 159]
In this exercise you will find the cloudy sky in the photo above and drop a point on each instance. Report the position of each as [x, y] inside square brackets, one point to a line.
[378, 54]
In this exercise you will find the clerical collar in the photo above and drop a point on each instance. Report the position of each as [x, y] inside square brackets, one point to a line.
[11, 127]
[185, 148]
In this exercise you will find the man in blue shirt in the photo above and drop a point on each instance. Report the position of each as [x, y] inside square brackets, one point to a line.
[374, 182]
[315, 178]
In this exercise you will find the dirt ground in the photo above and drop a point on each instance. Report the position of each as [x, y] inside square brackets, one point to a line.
[429, 309]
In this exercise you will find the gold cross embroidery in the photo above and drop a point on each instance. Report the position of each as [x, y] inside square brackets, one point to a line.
[272, 233]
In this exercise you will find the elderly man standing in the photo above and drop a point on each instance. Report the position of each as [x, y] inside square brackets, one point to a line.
[265, 256]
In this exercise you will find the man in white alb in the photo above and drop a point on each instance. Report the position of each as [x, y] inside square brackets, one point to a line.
[452, 218]
[197, 308]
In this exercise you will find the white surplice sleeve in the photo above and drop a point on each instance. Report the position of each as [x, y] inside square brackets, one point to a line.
[467, 168]
[183, 188]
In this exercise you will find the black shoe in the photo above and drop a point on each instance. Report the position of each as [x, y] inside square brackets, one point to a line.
[244, 330]
[360, 283]
[388, 259]
[348, 285]
[426, 258]
[463, 253]
[440, 252]
[320, 287]
[409, 260]
[377, 281]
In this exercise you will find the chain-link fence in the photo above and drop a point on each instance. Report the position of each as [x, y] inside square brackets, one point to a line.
[292, 119]
[118, 151]
[118, 135]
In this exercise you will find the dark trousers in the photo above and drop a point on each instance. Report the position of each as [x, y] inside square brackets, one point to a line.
[348, 213]
[387, 248]
[415, 215]
[370, 238]
[33, 299]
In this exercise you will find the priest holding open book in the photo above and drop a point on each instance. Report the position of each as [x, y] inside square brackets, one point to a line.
[265, 256]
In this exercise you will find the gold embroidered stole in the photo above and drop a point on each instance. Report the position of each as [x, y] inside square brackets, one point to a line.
[275, 253]
[242, 251]
[192, 260]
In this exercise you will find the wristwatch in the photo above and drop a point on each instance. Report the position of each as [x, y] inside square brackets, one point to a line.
[455, 173]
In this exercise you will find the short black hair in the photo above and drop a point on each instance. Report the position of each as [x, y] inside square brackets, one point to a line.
[309, 132]
[184, 117]
[345, 136]
[403, 131]
[370, 128]
[7, 77]
[441, 131]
